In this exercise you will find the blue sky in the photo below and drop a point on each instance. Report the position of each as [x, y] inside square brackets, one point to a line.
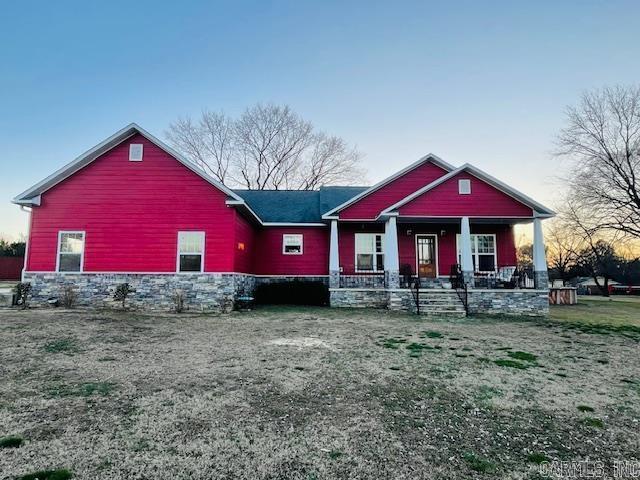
[478, 82]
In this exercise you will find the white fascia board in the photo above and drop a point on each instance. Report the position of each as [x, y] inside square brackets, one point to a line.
[539, 209]
[293, 224]
[427, 158]
[241, 203]
[90, 155]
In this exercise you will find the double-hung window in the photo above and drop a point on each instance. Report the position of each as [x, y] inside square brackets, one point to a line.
[70, 251]
[369, 252]
[292, 244]
[190, 251]
[483, 252]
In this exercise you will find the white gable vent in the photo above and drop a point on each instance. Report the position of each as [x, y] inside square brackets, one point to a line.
[135, 152]
[464, 186]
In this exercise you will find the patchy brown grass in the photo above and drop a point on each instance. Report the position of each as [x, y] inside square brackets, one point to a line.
[310, 394]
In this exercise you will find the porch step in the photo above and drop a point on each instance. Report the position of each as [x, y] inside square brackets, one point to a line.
[440, 303]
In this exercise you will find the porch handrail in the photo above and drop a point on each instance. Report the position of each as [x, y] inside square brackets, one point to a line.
[460, 286]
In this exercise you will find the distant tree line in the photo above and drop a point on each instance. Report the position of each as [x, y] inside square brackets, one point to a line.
[13, 249]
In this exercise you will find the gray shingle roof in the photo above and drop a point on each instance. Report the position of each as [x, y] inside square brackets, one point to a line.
[296, 206]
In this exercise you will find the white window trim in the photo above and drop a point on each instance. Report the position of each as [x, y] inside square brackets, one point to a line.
[141, 145]
[178, 253]
[434, 235]
[461, 190]
[474, 241]
[298, 235]
[375, 254]
[84, 243]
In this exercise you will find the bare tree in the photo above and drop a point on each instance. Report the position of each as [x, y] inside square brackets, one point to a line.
[267, 147]
[563, 245]
[209, 143]
[602, 137]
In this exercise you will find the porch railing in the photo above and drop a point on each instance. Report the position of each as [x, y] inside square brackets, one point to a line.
[458, 284]
[505, 277]
[362, 281]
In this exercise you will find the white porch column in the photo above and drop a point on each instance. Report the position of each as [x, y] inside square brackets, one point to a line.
[466, 258]
[391, 257]
[540, 274]
[334, 257]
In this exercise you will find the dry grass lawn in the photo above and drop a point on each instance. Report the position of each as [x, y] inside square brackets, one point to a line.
[312, 394]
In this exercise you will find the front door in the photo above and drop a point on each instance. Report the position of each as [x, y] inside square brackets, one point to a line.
[426, 256]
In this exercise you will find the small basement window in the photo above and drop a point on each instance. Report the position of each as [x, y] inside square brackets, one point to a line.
[464, 186]
[135, 152]
[70, 251]
[292, 244]
[190, 251]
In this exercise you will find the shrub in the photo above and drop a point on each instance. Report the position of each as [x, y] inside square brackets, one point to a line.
[23, 291]
[296, 292]
[68, 296]
[12, 441]
[122, 292]
[62, 474]
[178, 301]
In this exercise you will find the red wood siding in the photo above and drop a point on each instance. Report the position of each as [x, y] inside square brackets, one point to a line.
[346, 242]
[484, 200]
[269, 259]
[370, 206]
[446, 244]
[132, 212]
[244, 245]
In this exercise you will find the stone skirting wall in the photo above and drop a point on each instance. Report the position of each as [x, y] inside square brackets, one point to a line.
[509, 302]
[401, 300]
[202, 291]
[358, 297]
[493, 302]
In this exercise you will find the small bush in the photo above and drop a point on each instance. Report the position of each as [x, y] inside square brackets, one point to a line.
[23, 291]
[585, 408]
[537, 458]
[62, 474]
[62, 345]
[11, 441]
[593, 422]
[122, 292]
[178, 301]
[68, 296]
[296, 292]
[479, 464]
[511, 364]
[529, 357]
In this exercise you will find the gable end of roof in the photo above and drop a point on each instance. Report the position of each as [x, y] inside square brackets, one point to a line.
[29, 196]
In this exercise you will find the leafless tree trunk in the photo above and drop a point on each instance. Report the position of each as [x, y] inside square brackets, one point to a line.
[602, 137]
[267, 147]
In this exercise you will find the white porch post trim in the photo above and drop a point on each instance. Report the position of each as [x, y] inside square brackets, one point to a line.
[391, 257]
[540, 274]
[334, 257]
[466, 258]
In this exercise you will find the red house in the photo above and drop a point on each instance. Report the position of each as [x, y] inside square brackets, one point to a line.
[133, 210]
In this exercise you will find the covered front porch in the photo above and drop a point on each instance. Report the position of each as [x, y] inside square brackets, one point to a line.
[433, 252]
[407, 263]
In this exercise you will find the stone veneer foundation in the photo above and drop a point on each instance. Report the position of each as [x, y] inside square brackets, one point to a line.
[494, 302]
[217, 292]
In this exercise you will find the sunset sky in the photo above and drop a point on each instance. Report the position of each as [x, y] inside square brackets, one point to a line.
[478, 82]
